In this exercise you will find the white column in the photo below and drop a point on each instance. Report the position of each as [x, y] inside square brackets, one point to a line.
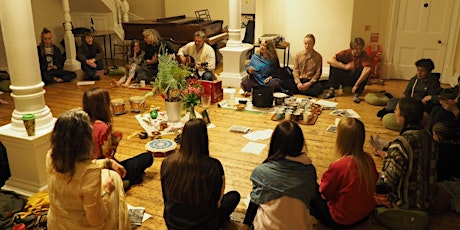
[26, 155]
[71, 63]
[234, 53]
[125, 10]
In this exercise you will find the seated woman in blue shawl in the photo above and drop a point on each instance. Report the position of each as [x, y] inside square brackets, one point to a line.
[284, 184]
[262, 67]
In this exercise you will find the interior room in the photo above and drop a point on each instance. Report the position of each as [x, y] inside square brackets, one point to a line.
[387, 27]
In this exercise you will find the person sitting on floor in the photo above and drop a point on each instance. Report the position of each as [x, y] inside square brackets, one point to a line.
[423, 86]
[407, 182]
[349, 181]
[149, 68]
[284, 184]
[193, 184]
[91, 55]
[96, 102]
[350, 67]
[135, 59]
[308, 66]
[52, 61]
[202, 55]
[262, 67]
[83, 193]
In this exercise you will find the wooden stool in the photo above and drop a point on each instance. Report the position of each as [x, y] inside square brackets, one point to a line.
[121, 48]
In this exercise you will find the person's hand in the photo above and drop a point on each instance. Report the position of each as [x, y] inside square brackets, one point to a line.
[118, 168]
[267, 79]
[300, 86]
[49, 68]
[380, 153]
[426, 99]
[354, 89]
[245, 227]
[107, 183]
[349, 66]
[251, 70]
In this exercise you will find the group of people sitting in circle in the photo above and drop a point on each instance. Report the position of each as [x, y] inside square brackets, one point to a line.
[420, 166]
[419, 175]
[142, 58]
[350, 67]
[143, 62]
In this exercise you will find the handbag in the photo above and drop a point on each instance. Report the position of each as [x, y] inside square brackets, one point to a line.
[262, 96]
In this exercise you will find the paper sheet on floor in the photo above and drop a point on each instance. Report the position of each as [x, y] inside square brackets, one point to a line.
[259, 135]
[253, 147]
[345, 113]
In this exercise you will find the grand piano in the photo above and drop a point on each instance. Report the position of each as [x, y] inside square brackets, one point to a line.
[178, 29]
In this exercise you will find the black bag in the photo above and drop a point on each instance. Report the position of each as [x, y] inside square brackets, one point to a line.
[4, 166]
[262, 96]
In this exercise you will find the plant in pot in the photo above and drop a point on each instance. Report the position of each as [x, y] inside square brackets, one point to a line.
[169, 83]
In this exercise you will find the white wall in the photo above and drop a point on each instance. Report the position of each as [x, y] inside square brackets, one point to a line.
[218, 9]
[329, 20]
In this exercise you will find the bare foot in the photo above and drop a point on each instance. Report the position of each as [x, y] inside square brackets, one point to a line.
[57, 79]
[125, 85]
[3, 102]
[115, 83]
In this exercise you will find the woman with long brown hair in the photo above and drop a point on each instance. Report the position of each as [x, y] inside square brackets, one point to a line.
[193, 184]
[83, 193]
[96, 102]
[348, 182]
[262, 67]
[284, 184]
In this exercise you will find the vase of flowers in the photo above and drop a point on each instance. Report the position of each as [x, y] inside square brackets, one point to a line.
[191, 96]
[171, 80]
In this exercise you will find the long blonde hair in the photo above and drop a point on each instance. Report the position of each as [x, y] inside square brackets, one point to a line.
[350, 142]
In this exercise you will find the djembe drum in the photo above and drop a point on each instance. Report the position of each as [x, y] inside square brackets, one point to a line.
[137, 103]
[118, 106]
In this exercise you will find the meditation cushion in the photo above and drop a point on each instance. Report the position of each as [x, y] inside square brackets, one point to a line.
[5, 85]
[116, 70]
[395, 218]
[378, 99]
[389, 121]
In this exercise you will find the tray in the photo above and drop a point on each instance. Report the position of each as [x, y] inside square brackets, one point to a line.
[314, 116]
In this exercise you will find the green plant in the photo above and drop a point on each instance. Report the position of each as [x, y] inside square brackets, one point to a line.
[171, 78]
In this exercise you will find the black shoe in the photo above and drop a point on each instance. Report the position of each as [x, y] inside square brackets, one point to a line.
[329, 94]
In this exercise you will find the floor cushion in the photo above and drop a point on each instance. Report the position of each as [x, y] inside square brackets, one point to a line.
[389, 121]
[378, 99]
[401, 219]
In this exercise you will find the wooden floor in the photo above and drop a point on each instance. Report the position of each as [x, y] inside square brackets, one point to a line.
[224, 145]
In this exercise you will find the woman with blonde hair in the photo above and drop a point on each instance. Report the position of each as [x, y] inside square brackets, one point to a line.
[262, 67]
[348, 182]
[150, 65]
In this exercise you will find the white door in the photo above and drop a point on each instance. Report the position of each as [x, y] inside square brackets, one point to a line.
[422, 32]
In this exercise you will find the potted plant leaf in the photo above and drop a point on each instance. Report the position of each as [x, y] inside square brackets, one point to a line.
[169, 83]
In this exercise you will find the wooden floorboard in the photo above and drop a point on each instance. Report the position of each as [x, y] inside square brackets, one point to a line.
[224, 145]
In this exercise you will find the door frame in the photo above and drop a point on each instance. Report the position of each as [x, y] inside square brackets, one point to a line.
[451, 49]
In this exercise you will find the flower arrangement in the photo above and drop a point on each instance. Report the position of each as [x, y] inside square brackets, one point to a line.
[191, 94]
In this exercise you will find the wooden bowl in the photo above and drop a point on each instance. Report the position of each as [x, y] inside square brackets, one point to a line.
[240, 106]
